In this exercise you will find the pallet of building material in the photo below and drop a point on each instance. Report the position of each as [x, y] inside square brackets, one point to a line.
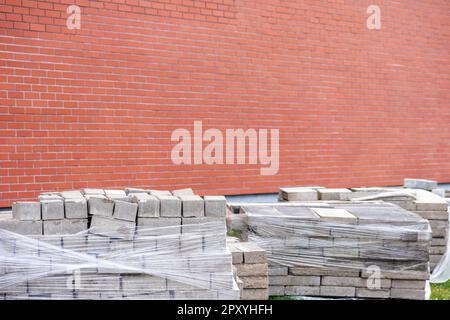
[334, 251]
[116, 244]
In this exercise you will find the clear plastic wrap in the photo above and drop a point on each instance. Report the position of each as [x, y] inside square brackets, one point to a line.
[187, 261]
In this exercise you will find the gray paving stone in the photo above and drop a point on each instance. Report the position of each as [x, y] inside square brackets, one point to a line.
[259, 269]
[332, 193]
[255, 282]
[295, 280]
[420, 184]
[125, 210]
[20, 227]
[148, 205]
[159, 226]
[115, 228]
[192, 206]
[376, 294]
[330, 291]
[64, 226]
[278, 271]
[215, 206]
[75, 208]
[170, 206]
[101, 206]
[276, 291]
[410, 294]
[26, 210]
[183, 192]
[52, 209]
[302, 290]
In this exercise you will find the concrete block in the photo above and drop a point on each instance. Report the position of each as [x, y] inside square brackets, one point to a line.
[75, 208]
[410, 294]
[73, 194]
[401, 274]
[191, 243]
[26, 211]
[92, 282]
[170, 206]
[433, 215]
[204, 225]
[50, 197]
[101, 206]
[335, 215]
[221, 280]
[159, 192]
[97, 245]
[299, 194]
[376, 294]
[439, 192]
[276, 291]
[258, 282]
[294, 280]
[92, 191]
[115, 194]
[259, 269]
[77, 243]
[114, 228]
[431, 205]
[183, 192]
[409, 284]
[439, 232]
[437, 250]
[278, 271]
[194, 295]
[148, 205]
[135, 284]
[236, 254]
[332, 193]
[192, 206]
[255, 294]
[252, 252]
[52, 209]
[158, 226]
[215, 206]
[125, 210]
[20, 227]
[420, 184]
[302, 291]
[64, 226]
[130, 191]
[330, 291]
[351, 282]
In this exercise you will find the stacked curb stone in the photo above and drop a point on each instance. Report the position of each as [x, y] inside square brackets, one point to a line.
[116, 244]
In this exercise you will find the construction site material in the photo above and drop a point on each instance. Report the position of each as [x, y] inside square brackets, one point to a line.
[428, 205]
[250, 262]
[336, 251]
[420, 184]
[122, 255]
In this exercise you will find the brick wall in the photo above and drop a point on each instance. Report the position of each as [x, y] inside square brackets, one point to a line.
[97, 106]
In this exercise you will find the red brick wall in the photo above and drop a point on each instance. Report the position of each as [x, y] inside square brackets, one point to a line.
[97, 106]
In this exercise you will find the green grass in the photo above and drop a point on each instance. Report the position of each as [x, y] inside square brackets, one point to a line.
[440, 291]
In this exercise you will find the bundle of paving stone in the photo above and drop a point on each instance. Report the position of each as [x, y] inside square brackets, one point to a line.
[250, 263]
[427, 204]
[339, 249]
[116, 244]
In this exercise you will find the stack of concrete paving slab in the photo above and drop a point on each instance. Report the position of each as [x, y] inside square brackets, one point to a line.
[341, 249]
[139, 245]
[427, 204]
[250, 263]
